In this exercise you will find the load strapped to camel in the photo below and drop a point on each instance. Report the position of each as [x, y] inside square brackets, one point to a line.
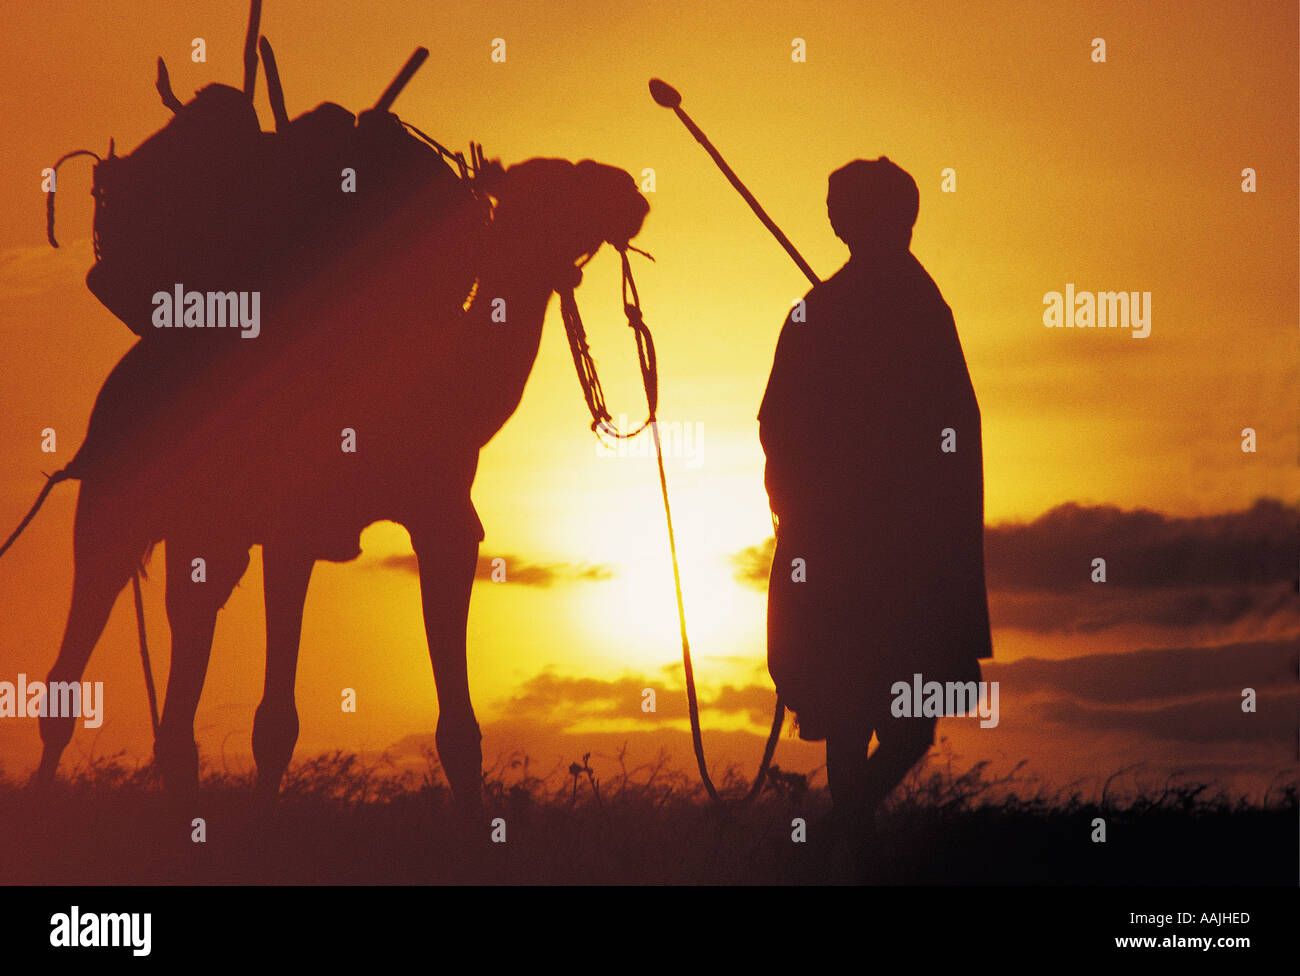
[212, 204]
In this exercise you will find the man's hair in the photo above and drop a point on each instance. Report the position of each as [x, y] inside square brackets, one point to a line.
[872, 201]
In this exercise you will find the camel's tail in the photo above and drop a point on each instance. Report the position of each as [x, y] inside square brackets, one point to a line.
[51, 481]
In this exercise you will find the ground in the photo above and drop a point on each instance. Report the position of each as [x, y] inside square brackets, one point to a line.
[342, 821]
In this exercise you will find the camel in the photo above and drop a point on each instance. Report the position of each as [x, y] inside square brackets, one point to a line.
[247, 451]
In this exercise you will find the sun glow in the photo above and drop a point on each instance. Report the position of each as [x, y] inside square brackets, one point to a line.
[632, 615]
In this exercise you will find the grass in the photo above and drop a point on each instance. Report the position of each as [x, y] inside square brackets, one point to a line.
[340, 819]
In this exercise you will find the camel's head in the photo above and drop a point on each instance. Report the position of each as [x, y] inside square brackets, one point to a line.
[569, 209]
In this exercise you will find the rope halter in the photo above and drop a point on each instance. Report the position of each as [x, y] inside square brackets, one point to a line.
[588, 378]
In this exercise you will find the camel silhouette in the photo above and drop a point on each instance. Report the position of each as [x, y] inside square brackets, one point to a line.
[366, 397]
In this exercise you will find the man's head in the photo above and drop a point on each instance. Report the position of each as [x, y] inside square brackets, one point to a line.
[872, 204]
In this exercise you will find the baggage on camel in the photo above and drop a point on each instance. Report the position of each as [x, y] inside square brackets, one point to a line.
[211, 204]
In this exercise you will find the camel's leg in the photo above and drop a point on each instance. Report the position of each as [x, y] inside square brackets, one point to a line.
[285, 574]
[446, 578]
[192, 612]
[105, 554]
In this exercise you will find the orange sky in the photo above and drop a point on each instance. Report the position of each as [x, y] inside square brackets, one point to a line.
[1123, 175]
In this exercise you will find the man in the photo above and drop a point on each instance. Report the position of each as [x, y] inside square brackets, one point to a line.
[875, 477]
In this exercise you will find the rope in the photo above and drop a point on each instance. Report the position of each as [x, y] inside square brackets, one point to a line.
[589, 379]
[54, 185]
[144, 653]
[602, 423]
[50, 482]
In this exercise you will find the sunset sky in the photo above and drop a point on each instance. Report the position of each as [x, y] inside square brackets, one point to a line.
[1124, 175]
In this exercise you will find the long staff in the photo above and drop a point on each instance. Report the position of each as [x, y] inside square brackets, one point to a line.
[669, 97]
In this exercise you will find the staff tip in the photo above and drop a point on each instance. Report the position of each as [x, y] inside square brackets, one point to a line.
[665, 94]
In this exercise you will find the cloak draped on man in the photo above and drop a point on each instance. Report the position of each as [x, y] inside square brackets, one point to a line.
[864, 394]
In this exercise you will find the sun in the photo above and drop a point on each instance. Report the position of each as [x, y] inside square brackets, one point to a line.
[631, 616]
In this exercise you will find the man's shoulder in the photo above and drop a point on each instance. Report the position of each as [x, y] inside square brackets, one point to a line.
[898, 282]
[845, 285]
[915, 292]
[922, 276]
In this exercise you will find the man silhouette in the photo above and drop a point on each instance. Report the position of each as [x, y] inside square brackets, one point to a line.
[875, 477]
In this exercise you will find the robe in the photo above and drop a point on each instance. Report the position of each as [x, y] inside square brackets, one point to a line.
[863, 396]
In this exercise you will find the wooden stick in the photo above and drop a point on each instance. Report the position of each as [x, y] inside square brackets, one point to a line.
[668, 96]
[273, 90]
[250, 48]
[408, 71]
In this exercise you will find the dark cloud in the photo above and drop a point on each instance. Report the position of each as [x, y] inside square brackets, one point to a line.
[1094, 607]
[1213, 570]
[1255, 547]
[1153, 674]
[516, 570]
[563, 701]
[1185, 694]
[1207, 571]
[755, 701]
[1210, 721]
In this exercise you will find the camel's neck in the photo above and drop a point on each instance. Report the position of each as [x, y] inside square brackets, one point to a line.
[503, 330]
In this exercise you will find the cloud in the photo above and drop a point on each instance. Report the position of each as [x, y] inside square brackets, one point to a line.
[1206, 571]
[1089, 610]
[754, 563]
[1210, 721]
[1213, 570]
[755, 701]
[1255, 547]
[1152, 674]
[562, 701]
[1184, 694]
[516, 570]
